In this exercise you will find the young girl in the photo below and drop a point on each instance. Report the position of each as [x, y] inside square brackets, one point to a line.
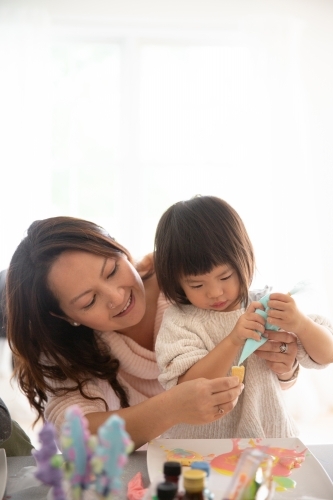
[204, 265]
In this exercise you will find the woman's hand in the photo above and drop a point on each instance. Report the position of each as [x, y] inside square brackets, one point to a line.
[248, 325]
[279, 352]
[201, 401]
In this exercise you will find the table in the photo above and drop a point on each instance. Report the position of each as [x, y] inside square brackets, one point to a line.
[138, 463]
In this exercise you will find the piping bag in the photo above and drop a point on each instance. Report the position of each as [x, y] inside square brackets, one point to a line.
[252, 345]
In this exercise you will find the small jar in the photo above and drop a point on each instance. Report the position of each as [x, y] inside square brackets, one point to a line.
[172, 472]
[205, 466]
[166, 491]
[194, 484]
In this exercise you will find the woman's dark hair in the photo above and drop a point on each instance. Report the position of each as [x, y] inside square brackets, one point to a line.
[194, 236]
[46, 347]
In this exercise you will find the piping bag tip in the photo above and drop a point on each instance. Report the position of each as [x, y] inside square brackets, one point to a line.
[249, 347]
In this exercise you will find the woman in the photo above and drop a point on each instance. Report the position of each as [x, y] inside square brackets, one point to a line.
[82, 323]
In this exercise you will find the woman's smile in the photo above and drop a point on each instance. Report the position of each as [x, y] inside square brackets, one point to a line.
[128, 307]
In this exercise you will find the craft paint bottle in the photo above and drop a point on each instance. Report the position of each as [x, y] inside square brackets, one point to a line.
[172, 472]
[166, 491]
[194, 484]
[202, 465]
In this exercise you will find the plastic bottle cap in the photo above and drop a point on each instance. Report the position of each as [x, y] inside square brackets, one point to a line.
[172, 468]
[166, 491]
[194, 480]
[201, 465]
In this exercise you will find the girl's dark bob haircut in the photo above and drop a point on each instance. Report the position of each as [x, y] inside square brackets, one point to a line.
[193, 237]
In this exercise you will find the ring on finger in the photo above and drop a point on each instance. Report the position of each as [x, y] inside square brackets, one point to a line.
[220, 411]
[283, 348]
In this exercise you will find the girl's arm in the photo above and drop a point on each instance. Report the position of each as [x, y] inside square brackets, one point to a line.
[317, 339]
[194, 402]
[183, 355]
[215, 363]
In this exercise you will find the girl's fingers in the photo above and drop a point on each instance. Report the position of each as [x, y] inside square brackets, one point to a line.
[259, 326]
[275, 299]
[255, 305]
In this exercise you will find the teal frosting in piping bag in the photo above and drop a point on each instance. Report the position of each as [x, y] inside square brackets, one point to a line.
[252, 345]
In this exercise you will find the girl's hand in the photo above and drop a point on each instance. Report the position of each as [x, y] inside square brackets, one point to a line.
[248, 325]
[281, 363]
[284, 313]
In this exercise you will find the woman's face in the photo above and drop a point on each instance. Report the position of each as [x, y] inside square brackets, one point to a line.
[103, 293]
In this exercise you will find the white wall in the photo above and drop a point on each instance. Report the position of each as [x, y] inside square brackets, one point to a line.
[307, 48]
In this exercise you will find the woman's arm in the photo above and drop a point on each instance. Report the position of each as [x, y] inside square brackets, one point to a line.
[194, 402]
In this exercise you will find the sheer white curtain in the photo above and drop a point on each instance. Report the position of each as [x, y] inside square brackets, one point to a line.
[24, 120]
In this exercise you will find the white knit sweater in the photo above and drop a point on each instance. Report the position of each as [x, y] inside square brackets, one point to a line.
[187, 335]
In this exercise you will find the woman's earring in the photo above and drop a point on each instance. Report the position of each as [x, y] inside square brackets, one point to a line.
[76, 324]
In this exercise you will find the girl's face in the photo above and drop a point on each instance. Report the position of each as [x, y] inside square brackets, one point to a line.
[103, 293]
[217, 290]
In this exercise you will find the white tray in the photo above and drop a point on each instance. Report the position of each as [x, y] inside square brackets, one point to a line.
[311, 480]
